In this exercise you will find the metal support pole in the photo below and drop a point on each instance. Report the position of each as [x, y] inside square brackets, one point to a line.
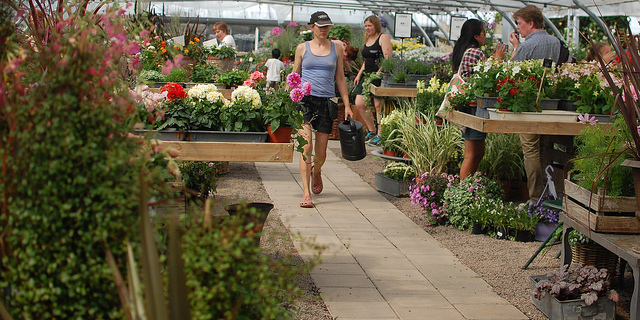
[553, 27]
[504, 15]
[424, 34]
[601, 24]
[441, 29]
[544, 244]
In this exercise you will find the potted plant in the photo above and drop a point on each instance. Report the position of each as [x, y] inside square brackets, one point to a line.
[206, 104]
[459, 197]
[395, 179]
[286, 39]
[205, 73]
[232, 78]
[503, 159]
[200, 177]
[428, 191]
[482, 214]
[521, 221]
[244, 112]
[429, 99]
[577, 287]
[548, 218]
[222, 56]
[282, 109]
[390, 136]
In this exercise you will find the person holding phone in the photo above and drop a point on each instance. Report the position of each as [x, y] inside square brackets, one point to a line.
[538, 45]
[466, 54]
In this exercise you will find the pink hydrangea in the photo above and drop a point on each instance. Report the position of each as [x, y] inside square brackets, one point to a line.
[306, 88]
[296, 95]
[294, 80]
[248, 83]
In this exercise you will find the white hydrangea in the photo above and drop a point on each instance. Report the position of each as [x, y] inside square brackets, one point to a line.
[246, 94]
[215, 97]
[200, 91]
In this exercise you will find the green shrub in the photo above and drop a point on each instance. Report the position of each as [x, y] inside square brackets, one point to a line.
[204, 73]
[70, 183]
[200, 176]
[459, 198]
[177, 75]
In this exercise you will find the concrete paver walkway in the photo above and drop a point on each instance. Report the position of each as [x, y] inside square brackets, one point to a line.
[379, 264]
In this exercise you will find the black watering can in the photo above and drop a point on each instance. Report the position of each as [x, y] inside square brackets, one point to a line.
[352, 140]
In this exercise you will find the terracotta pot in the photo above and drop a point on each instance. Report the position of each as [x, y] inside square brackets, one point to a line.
[438, 121]
[281, 135]
[389, 153]
[286, 59]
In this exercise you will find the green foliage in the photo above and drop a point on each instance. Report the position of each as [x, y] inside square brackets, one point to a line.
[177, 75]
[430, 147]
[417, 66]
[597, 164]
[222, 52]
[204, 73]
[399, 171]
[503, 158]
[177, 115]
[576, 237]
[200, 176]
[458, 198]
[390, 136]
[279, 110]
[71, 172]
[230, 278]
[340, 32]
[152, 76]
[366, 83]
[233, 78]
[429, 99]
[519, 217]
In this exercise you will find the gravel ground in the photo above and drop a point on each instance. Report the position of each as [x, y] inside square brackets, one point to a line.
[498, 262]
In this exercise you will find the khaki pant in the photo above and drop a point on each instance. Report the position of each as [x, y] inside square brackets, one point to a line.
[535, 178]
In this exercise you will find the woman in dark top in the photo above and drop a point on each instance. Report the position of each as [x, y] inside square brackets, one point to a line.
[377, 46]
[466, 54]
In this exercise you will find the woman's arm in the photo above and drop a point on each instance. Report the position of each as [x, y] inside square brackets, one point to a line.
[297, 63]
[341, 82]
[387, 47]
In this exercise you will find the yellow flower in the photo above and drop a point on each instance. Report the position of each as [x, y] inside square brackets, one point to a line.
[191, 42]
[196, 39]
[186, 51]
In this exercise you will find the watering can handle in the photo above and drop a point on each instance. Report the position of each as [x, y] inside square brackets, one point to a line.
[351, 123]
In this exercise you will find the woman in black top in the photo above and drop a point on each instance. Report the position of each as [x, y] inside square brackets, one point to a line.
[377, 46]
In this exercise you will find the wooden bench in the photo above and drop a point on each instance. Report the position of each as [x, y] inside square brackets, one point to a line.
[625, 246]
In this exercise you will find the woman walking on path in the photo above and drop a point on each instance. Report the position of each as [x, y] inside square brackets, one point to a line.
[317, 60]
[466, 54]
[377, 46]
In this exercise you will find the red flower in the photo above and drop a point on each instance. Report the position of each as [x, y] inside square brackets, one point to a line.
[499, 100]
[174, 91]
[513, 91]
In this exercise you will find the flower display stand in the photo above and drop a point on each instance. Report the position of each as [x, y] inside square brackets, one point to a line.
[231, 151]
[601, 213]
[545, 115]
[228, 136]
[555, 309]
[390, 186]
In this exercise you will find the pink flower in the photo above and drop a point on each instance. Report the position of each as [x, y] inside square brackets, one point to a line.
[306, 88]
[292, 24]
[248, 83]
[294, 80]
[584, 119]
[257, 75]
[277, 31]
[296, 95]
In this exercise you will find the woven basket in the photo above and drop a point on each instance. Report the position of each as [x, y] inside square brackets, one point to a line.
[335, 134]
[595, 255]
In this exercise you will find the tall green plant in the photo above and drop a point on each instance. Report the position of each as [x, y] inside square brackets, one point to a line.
[68, 188]
[430, 147]
[503, 159]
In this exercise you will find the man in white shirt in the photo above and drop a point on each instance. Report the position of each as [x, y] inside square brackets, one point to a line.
[274, 67]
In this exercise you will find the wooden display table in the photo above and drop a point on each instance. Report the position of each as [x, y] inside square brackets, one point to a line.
[625, 246]
[232, 151]
[517, 126]
[393, 92]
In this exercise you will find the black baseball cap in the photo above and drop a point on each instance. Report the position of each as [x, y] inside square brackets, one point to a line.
[320, 19]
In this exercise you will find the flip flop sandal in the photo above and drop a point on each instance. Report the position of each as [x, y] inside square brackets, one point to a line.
[306, 202]
[316, 184]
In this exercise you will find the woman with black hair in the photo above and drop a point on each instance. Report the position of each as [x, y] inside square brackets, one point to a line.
[466, 54]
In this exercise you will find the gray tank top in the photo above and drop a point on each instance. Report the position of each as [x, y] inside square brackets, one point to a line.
[320, 71]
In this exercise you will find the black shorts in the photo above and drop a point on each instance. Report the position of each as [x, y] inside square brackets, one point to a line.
[320, 113]
[358, 89]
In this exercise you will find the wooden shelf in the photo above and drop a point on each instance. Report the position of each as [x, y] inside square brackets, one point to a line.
[393, 92]
[517, 126]
[232, 151]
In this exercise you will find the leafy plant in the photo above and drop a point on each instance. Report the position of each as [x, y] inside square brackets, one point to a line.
[399, 171]
[458, 198]
[487, 212]
[222, 52]
[576, 281]
[430, 147]
[340, 32]
[152, 76]
[177, 75]
[205, 73]
[520, 218]
[429, 99]
[428, 191]
[232, 78]
[390, 136]
[600, 150]
[200, 176]
[205, 104]
[546, 215]
[417, 66]
[503, 158]
[281, 109]
[244, 113]
[69, 92]
[286, 38]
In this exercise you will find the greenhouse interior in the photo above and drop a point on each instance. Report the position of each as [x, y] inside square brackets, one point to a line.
[312, 160]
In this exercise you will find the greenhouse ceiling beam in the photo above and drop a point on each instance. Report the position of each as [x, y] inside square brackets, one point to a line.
[424, 33]
[601, 24]
[503, 14]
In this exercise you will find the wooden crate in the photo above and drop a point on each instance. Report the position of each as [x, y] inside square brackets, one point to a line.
[601, 213]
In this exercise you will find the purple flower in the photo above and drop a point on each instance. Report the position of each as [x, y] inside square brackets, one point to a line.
[584, 119]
